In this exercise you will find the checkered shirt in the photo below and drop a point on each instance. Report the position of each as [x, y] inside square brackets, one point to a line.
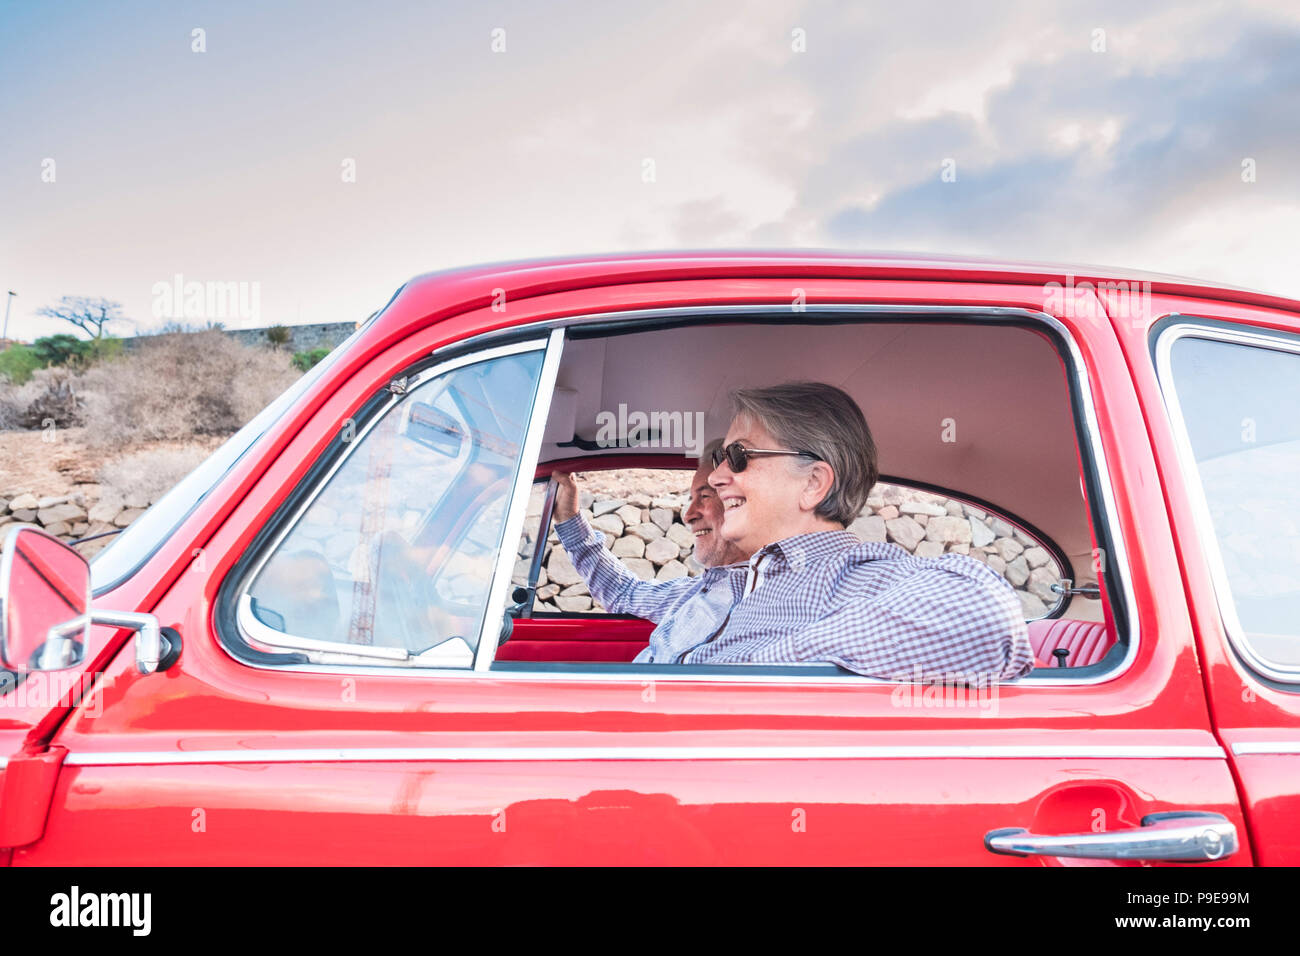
[869, 607]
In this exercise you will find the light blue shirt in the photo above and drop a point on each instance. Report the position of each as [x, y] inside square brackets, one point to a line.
[685, 610]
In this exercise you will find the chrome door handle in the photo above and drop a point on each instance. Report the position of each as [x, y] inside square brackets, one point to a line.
[1196, 836]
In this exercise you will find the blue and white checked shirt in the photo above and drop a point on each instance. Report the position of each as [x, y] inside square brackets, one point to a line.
[870, 607]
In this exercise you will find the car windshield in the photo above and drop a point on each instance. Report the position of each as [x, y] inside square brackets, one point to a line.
[130, 549]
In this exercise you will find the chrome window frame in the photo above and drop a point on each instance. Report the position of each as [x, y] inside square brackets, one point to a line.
[1118, 567]
[253, 632]
[1190, 326]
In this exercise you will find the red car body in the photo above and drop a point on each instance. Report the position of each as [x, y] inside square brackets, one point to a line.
[218, 762]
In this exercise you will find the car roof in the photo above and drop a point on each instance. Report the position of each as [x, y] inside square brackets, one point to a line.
[533, 276]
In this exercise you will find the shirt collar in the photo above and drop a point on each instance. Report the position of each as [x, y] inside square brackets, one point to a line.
[803, 549]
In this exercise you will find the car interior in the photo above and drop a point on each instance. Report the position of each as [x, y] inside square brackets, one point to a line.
[985, 412]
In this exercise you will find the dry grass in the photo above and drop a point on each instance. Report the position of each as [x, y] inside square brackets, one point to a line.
[142, 477]
[175, 387]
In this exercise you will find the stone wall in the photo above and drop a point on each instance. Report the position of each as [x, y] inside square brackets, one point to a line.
[302, 338]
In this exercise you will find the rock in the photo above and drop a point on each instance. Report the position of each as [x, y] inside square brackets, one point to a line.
[997, 564]
[639, 499]
[960, 547]
[4, 505]
[670, 502]
[922, 508]
[640, 567]
[1040, 582]
[576, 603]
[630, 515]
[51, 501]
[888, 512]
[24, 502]
[948, 529]
[560, 569]
[585, 500]
[869, 528]
[681, 536]
[661, 550]
[1008, 548]
[663, 517]
[1037, 557]
[1024, 539]
[693, 566]
[610, 523]
[645, 516]
[905, 532]
[60, 529]
[647, 531]
[629, 546]
[891, 495]
[137, 499]
[1030, 606]
[546, 608]
[541, 576]
[954, 509]
[608, 505]
[5, 519]
[609, 540]
[1018, 571]
[26, 515]
[574, 590]
[59, 514]
[929, 549]
[977, 513]
[1002, 529]
[547, 592]
[523, 567]
[980, 533]
[670, 570]
[922, 520]
[875, 501]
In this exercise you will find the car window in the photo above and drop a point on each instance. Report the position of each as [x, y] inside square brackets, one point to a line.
[1240, 415]
[640, 512]
[397, 550]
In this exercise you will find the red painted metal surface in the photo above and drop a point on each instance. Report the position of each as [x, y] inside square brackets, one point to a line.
[501, 775]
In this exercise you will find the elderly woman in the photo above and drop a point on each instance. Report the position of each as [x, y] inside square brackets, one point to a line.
[795, 470]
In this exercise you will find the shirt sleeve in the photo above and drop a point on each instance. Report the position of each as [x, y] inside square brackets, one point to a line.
[613, 583]
[952, 620]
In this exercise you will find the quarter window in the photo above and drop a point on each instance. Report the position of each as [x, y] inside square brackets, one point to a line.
[1236, 401]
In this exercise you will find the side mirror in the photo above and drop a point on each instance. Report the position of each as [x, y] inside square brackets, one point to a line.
[45, 599]
[45, 610]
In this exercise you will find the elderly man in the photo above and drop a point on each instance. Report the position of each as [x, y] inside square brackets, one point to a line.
[685, 610]
[798, 463]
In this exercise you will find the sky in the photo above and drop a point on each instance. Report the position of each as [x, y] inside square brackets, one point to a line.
[320, 154]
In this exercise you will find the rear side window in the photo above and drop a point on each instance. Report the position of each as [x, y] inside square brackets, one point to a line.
[1235, 403]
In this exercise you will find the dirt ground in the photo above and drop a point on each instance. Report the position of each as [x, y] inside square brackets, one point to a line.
[31, 461]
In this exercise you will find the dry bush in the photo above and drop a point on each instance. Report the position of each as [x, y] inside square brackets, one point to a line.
[141, 478]
[174, 387]
[51, 396]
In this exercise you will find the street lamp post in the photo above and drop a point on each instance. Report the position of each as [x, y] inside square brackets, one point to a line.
[8, 301]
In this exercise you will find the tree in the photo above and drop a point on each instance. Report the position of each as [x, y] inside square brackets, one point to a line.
[61, 349]
[278, 335]
[87, 313]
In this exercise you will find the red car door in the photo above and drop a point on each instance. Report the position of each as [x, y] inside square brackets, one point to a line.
[269, 754]
[1222, 385]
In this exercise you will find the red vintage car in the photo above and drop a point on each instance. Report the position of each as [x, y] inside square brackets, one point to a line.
[325, 646]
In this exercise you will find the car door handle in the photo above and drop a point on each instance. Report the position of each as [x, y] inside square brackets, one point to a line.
[1191, 836]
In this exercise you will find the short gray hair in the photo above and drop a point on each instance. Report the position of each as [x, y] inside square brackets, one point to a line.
[710, 450]
[824, 420]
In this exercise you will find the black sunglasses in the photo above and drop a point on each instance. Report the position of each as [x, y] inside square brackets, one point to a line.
[737, 455]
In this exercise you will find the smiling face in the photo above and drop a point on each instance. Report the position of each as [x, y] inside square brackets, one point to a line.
[704, 518]
[774, 497]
